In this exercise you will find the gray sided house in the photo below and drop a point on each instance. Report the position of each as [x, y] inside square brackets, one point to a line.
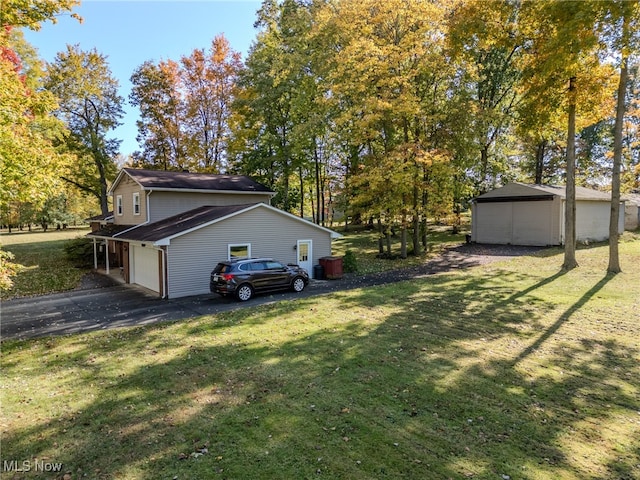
[520, 214]
[170, 229]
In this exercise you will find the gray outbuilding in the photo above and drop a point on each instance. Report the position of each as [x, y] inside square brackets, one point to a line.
[521, 214]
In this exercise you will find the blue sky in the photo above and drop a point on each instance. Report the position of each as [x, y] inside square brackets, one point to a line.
[131, 32]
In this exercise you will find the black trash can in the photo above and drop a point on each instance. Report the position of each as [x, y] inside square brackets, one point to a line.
[318, 272]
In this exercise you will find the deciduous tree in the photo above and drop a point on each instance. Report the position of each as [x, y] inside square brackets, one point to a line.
[385, 80]
[31, 14]
[30, 167]
[269, 143]
[209, 80]
[620, 25]
[90, 106]
[563, 66]
[157, 92]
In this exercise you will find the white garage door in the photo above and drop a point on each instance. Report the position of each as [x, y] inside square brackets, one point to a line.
[532, 223]
[145, 268]
[514, 223]
[493, 222]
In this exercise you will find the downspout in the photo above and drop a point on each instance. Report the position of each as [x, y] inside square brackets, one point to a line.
[164, 273]
[95, 254]
[148, 209]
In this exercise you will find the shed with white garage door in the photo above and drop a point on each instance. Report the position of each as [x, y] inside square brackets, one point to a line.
[521, 214]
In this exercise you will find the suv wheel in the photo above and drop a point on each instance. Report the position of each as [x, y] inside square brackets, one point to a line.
[244, 292]
[298, 284]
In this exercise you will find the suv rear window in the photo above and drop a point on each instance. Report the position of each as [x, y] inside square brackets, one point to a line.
[222, 268]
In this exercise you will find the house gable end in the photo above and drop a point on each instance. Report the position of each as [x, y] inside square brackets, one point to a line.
[123, 175]
[163, 231]
[243, 209]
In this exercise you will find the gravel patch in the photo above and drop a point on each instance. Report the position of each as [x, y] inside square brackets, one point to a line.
[455, 258]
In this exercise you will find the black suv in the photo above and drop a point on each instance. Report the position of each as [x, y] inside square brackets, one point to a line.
[243, 278]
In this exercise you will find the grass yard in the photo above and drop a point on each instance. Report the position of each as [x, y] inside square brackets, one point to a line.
[46, 268]
[364, 243]
[506, 371]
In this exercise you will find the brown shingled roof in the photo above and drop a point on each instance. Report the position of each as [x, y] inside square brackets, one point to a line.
[109, 230]
[168, 180]
[152, 232]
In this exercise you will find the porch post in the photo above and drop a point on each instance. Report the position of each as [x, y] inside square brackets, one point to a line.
[106, 254]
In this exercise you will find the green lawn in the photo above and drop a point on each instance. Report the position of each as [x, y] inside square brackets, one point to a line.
[46, 268]
[364, 243]
[510, 370]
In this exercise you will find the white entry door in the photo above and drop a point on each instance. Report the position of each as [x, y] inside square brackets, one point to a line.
[305, 257]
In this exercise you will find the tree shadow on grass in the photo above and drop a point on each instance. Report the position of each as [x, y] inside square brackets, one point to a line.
[564, 317]
[402, 392]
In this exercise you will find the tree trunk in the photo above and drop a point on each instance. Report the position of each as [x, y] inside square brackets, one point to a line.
[417, 247]
[540, 160]
[403, 237]
[570, 261]
[301, 178]
[103, 196]
[388, 239]
[425, 202]
[416, 218]
[380, 237]
[614, 260]
[317, 174]
[484, 169]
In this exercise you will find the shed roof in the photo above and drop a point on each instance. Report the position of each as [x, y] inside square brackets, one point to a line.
[519, 190]
[185, 181]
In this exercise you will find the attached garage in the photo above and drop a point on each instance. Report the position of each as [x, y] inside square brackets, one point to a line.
[145, 267]
[519, 214]
[174, 256]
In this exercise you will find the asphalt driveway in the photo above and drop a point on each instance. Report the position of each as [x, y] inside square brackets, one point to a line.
[99, 306]
[110, 307]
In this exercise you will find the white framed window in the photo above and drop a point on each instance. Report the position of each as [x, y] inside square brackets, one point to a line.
[136, 203]
[119, 205]
[237, 251]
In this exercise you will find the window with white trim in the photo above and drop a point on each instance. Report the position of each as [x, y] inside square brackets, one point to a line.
[239, 251]
[136, 203]
[119, 204]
